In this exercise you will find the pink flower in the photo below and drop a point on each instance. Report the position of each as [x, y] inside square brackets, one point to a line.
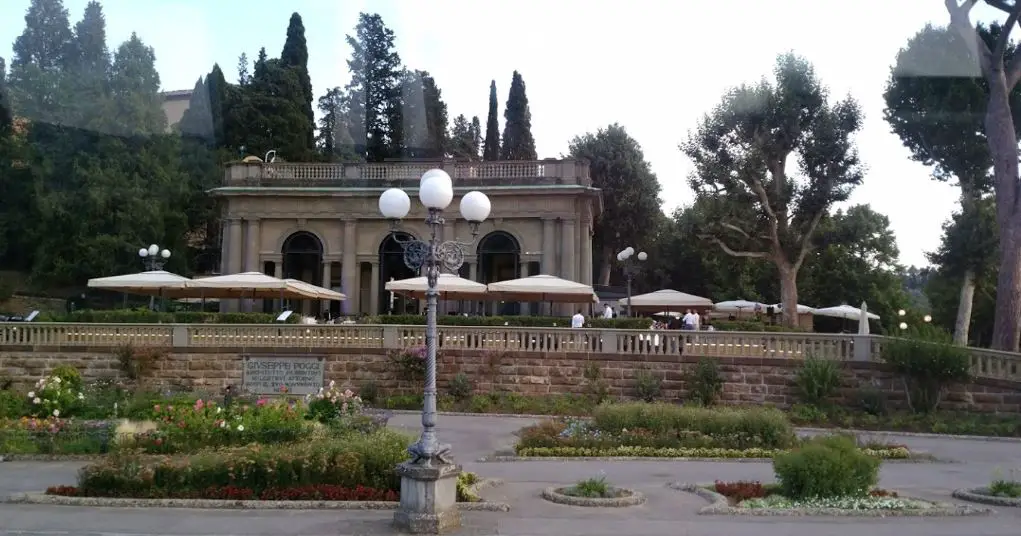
[261, 402]
[198, 404]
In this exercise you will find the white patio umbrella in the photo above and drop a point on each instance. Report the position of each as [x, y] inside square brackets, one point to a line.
[666, 299]
[846, 312]
[153, 283]
[802, 309]
[739, 306]
[257, 285]
[451, 287]
[541, 288]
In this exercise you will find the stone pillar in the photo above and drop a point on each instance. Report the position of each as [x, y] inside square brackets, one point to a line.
[569, 270]
[251, 255]
[428, 499]
[548, 264]
[235, 256]
[278, 272]
[327, 277]
[374, 290]
[349, 269]
[224, 247]
[586, 253]
[526, 308]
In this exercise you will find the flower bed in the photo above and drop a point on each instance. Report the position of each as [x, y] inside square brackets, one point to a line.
[668, 431]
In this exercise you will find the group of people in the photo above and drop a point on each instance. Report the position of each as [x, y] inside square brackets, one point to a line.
[691, 320]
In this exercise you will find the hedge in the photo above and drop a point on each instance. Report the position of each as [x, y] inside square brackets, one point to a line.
[144, 316]
[751, 325]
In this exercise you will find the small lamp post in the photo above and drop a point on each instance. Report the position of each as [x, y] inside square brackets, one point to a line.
[631, 268]
[153, 259]
[429, 479]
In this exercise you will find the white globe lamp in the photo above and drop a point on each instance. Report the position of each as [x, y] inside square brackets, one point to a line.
[143, 253]
[927, 318]
[154, 250]
[165, 254]
[475, 206]
[621, 256]
[903, 325]
[630, 251]
[394, 204]
[902, 312]
[436, 189]
[642, 256]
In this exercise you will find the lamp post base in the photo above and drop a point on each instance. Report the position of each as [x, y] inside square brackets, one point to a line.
[428, 499]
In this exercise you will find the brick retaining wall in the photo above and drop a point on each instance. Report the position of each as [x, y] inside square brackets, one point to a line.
[747, 380]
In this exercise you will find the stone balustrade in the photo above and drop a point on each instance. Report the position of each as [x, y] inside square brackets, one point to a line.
[632, 343]
[354, 174]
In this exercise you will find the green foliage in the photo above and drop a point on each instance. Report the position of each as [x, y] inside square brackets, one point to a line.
[596, 487]
[928, 363]
[491, 149]
[828, 466]
[726, 427]
[460, 387]
[370, 392]
[465, 138]
[817, 380]
[648, 385]
[145, 316]
[351, 461]
[375, 96]
[408, 364]
[705, 382]
[135, 363]
[518, 142]
[511, 321]
[596, 387]
[12, 404]
[1004, 487]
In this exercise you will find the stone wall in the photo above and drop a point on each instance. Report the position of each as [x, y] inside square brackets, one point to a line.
[747, 380]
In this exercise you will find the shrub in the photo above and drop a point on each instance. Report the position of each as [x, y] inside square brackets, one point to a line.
[705, 383]
[408, 364]
[350, 461]
[30, 435]
[460, 387]
[726, 427]
[12, 405]
[596, 487]
[648, 385]
[330, 404]
[828, 466]
[135, 363]
[56, 395]
[928, 363]
[595, 386]
[370, 392]
[817, 380]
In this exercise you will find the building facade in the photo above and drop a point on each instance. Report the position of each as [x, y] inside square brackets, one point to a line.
[320, 223]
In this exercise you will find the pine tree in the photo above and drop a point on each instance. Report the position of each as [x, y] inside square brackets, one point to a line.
[518, 143]
[334, 140]
[295, 56]
[375, 90]
[136, 90]
[424, 117]
[476, 137]
[243, 73]
[89, 71]
[461, 139]
[6, 113]
[40, 55]
[491, 149]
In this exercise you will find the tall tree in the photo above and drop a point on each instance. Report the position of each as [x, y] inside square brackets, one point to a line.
[89, 71]
[334, 138]
[491, 149]
[295, 56]
[518, 143]
[273, 118]
[41, 53]
[244, 75]
[424, 116]
[374, 89]
[939, 119]
[741, 151]
[631, 204]
[6, 112]
[464, 139]
[1002, 70]
[135, 84]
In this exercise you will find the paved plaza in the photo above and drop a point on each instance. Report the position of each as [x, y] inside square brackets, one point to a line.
[667, 512]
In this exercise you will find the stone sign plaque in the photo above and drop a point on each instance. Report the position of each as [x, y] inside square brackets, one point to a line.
[268, 375]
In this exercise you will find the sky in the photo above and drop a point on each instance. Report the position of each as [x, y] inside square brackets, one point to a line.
[655, 67]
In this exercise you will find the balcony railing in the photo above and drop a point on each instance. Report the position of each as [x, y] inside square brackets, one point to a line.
[840, 347]
[465, 174]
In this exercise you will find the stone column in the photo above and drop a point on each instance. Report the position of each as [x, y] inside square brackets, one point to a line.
[224, 247]
[586, 253]
[569, 270]
[278, 272]
[526, 308]
[252, 246]
[374, 290]
[327, 277]
[235, 256]
[548, 264]
[349, 269]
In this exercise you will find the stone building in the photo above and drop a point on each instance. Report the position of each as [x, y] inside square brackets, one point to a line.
[320, 223]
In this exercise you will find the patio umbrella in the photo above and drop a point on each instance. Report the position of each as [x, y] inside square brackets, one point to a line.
[666, 299]
[152, 283]
[802, 309]
[256, 285]
[739, 306]
[845, 311]
[540, 288]
[451, 287]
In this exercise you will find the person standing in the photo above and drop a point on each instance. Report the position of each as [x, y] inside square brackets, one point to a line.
[608, 312]
[578, 320]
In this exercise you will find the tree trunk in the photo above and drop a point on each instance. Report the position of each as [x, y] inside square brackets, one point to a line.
[1000, 132]
[605, 266]
[964, 305]
[789, 295]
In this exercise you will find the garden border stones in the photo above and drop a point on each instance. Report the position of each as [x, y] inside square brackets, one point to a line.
[981, 495]
[720, 506]
[500, 458]
[211, 504]
[631, 498]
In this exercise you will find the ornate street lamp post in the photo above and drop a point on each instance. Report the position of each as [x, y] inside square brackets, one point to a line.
[631, 268]
[429, 479]
[153, 259]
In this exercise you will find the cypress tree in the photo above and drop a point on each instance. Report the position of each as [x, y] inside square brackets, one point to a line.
[518, 143]
[491, 149]
[295, 56]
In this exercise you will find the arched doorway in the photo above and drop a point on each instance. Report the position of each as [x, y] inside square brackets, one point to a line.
[391, 266]
[499, 260]
[303, 260]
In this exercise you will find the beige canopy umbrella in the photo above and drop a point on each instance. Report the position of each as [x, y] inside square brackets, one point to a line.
[541, 288]
[152, 283]
[667, 300]
[451, 287]
[847, 312]
[257, 285]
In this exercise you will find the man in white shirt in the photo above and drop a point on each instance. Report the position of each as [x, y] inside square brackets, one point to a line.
[578, 320]
[690, 320]
[608, 311]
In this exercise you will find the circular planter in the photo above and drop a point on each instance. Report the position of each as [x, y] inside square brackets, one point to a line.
[982, 496]
[629, 497]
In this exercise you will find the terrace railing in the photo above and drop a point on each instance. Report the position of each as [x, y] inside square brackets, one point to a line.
[840, 347]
